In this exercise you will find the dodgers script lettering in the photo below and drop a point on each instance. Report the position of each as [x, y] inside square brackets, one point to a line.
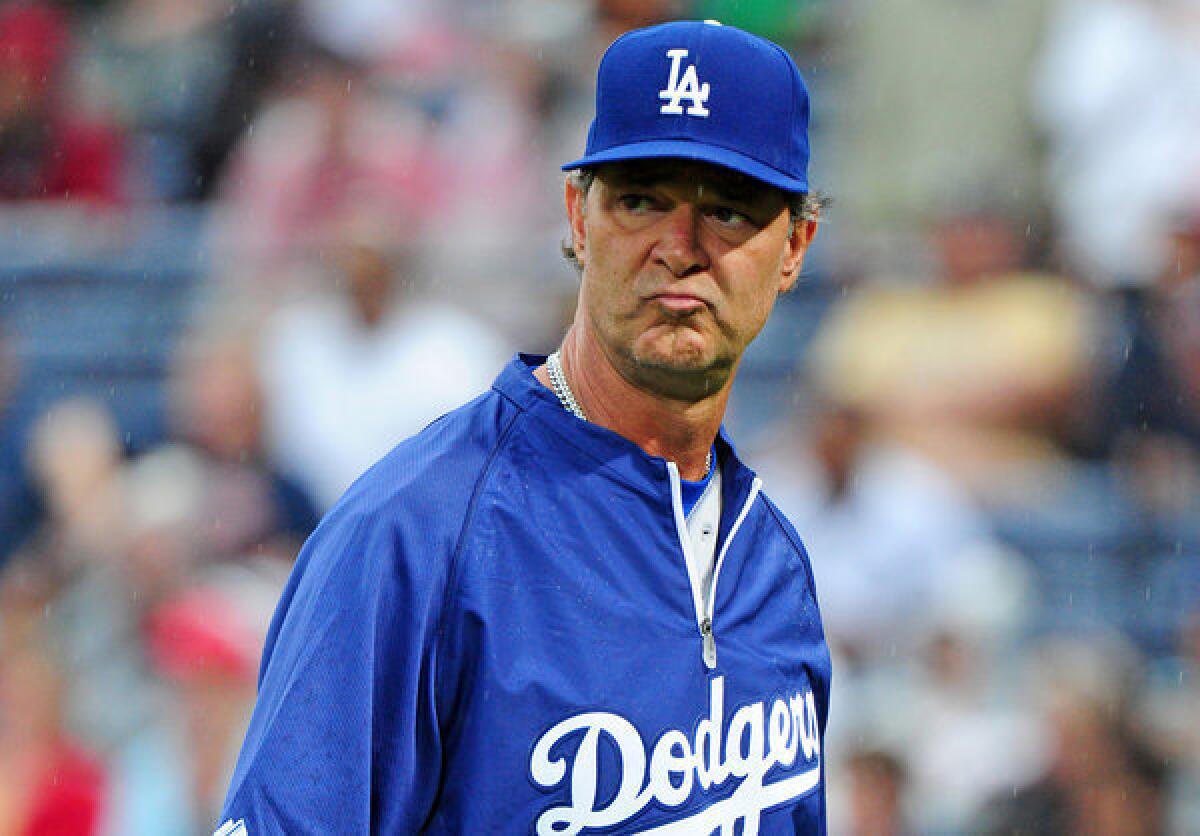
[758, 740]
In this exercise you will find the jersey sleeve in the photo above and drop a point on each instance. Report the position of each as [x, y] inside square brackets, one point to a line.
[344, 735]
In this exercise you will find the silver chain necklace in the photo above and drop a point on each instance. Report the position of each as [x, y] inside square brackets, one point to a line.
[558, 382]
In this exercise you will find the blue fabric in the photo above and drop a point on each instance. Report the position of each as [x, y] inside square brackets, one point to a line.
[493, 632]
[701, 91]
[692, 491]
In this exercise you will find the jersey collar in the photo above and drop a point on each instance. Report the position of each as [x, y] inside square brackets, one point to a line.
[617, 453]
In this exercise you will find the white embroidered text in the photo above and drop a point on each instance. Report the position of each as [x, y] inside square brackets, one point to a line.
[757, 740]
[686, 87]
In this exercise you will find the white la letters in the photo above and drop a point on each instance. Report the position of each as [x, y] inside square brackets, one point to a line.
[756, 742]
[687, 87]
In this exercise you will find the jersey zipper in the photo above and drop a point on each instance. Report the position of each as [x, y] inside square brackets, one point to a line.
[704, 614]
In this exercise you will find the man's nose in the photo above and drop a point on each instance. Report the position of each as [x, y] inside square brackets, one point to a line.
[679, 247]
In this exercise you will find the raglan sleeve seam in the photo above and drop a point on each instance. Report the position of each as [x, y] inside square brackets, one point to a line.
[359, 525]
[793, 538]
[449, 593]
[798, 545]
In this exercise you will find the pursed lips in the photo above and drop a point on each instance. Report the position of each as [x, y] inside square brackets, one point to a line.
[679, 301]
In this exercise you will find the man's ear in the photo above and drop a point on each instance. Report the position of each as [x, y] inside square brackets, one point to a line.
[803, 232]
[575, 200]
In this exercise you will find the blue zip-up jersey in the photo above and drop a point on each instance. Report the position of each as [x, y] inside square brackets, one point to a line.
[496, 631]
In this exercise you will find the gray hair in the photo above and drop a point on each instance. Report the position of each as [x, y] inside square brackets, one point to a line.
[802, 206]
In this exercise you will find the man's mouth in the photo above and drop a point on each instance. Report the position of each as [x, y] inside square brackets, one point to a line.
[679, 303]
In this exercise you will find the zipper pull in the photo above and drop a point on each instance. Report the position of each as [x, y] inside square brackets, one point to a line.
[710, 644]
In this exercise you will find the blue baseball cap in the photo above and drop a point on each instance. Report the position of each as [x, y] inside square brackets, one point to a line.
[702, 91]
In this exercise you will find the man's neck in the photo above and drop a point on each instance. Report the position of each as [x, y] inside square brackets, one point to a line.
[677, 430]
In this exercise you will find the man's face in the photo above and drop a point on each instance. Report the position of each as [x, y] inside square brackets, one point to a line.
[682, 262]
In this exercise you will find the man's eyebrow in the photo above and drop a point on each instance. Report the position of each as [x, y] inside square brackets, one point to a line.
[640, 176]
[735, 189]
[732, 188]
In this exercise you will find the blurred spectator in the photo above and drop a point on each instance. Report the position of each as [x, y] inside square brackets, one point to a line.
[126, 557]
[1153, 403]
[47, 149]
[182, 77]
[158, 67]
[973, 736]
[881, 524]
[50, 784]
[262, 33]
[357, 368]
[877, 780]
[478, 94]
[1100, 776]
[907, 572]
[247, 506]
[76, 459]
[1170, 714]
[17, 504]
[81, 548]
[935, 99]
[121, 537]
[205, 642]
[368, 29]
[397, 143]
[164, 491]
[332, 143]
[210, 494]
[1099, 782]
[982, 370]
[1118, 92]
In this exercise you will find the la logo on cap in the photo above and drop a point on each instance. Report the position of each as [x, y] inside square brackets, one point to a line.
[696, 103]
[686, 87]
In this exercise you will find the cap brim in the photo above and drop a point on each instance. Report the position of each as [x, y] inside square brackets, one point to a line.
[683, 149]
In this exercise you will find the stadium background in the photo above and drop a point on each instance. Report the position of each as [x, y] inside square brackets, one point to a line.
[245, 245]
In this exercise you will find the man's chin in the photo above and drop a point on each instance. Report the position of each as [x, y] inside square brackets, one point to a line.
[674, 346]
[677, 360]
[683, 373]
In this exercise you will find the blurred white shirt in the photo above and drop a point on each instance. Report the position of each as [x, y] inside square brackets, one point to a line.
[1118, 92]
[339, 396]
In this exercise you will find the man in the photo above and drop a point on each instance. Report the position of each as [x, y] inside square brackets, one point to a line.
[566, 608]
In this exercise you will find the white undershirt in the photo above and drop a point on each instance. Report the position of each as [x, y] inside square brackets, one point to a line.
[703, 524]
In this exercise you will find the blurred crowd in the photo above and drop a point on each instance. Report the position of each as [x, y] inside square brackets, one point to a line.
[980, 407]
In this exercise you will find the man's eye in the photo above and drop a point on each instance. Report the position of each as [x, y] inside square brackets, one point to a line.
[730, 217]
[636, 202]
